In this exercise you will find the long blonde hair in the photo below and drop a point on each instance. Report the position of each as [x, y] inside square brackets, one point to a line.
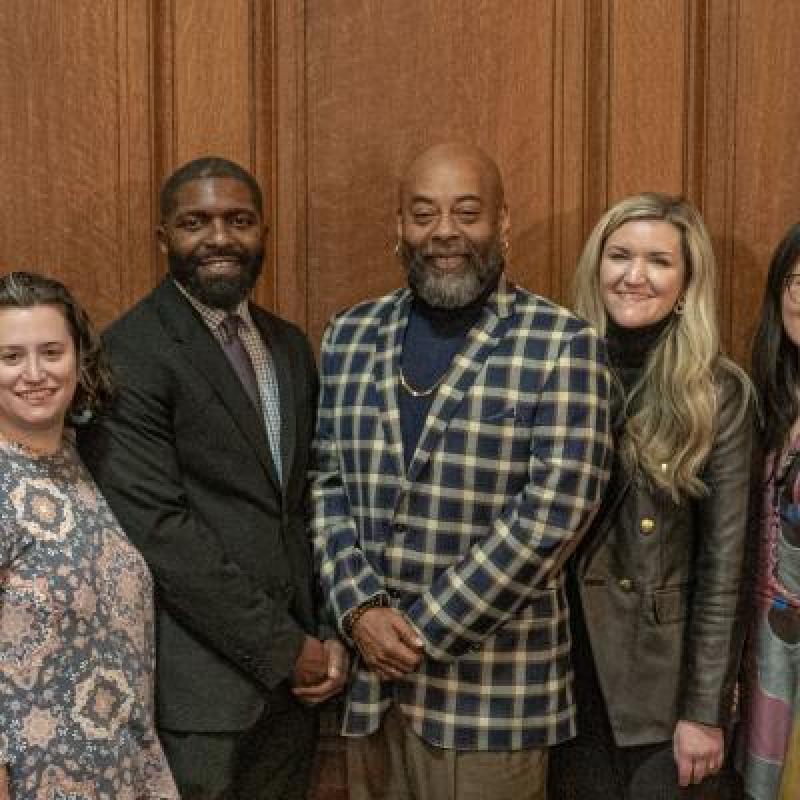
[670, 412]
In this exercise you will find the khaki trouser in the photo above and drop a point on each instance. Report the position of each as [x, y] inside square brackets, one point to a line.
[395, 764]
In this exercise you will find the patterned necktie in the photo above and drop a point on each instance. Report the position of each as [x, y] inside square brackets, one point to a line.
[239, 358]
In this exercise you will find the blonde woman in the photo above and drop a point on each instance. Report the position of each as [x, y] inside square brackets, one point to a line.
[656, 582]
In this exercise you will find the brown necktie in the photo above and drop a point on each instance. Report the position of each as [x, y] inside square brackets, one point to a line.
[239, 357]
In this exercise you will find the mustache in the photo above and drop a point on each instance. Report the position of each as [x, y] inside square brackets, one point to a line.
[222, 252]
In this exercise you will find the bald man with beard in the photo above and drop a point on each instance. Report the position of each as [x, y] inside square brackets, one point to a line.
[462, 448]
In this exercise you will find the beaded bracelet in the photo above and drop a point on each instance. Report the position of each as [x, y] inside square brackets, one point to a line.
[377, 601]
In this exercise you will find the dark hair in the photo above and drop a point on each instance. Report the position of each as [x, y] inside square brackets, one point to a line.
[774, 363]
[95, 384]
[207, 167]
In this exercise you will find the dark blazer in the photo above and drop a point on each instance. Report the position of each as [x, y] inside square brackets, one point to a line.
[183, 459]
[660, 587]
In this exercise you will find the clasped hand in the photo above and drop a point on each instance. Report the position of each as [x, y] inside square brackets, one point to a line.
[320, 671]
[388, 644]
[698, 749]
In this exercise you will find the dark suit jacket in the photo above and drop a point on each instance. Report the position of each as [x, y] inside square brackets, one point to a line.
[660, 587]
[183, 459]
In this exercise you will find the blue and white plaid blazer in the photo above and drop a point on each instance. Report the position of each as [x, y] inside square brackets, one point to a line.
[470, 541]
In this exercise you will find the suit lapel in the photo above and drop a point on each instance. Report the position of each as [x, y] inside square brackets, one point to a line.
[203, 351]
[481, 341]
[388, 348]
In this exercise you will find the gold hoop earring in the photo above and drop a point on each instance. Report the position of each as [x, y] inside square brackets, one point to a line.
[397, 248]
[679, 306]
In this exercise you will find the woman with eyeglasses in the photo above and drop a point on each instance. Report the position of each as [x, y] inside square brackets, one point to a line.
[772, 729]
[654, 603]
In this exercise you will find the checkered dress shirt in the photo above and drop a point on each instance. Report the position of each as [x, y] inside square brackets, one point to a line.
[470, 540]
[262, 365]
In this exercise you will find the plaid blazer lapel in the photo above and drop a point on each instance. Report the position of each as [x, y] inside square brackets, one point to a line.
[482, 339]
[386, 371]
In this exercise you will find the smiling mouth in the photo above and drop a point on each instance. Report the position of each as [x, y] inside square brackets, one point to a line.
[448, 261]
[37, 396]
[633, 298]
[221, 266]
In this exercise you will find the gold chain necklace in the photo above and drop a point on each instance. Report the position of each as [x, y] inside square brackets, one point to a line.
[414, 392]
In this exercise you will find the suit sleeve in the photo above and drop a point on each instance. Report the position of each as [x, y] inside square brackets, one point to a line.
[716, 613]
[132, 454]
[346, 577]
[528, 542]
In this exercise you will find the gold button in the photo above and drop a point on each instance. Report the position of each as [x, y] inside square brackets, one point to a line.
[626, 584]
[647, 525]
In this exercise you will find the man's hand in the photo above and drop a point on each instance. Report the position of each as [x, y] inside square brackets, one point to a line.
[5, 789]
[311, 666]
[698, 749]
[387, 643]
[338, 667]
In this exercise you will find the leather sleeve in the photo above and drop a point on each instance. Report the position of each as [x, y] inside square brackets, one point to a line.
[715, 626]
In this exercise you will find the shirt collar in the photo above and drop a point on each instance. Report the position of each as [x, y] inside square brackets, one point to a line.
[213, 316]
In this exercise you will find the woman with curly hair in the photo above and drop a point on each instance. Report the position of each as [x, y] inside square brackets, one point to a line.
[655, 584]
[76, 619]
[772, 727]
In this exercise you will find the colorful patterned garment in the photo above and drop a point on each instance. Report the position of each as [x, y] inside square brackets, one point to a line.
[76, 640]
[772, 735]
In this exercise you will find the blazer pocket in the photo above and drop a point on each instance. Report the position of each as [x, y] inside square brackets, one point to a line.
[501, 415]
[670, 605]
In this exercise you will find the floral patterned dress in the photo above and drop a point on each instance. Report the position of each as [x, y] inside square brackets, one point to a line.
[76, 640]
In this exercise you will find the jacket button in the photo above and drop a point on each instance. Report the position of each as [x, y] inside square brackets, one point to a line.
[626, 584]
[647, 525]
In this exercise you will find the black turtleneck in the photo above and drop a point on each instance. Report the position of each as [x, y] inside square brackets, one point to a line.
[628, 348]
[433, 338]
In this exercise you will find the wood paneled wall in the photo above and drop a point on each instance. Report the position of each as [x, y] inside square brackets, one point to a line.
[581, 101]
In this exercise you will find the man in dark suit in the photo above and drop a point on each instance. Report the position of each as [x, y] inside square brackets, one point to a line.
[203, 458]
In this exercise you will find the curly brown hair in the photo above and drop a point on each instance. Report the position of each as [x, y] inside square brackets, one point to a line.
[95, 381]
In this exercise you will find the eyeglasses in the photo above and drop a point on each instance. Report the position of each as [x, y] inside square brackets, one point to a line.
[793, 287]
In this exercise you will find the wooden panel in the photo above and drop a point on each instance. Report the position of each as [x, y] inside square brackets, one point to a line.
[67, 87]
[711, 153]
[765, 196]
[384, 80]
[569, 143]
[212, 89]
[288, 177]
[648, 102]
[213, 93]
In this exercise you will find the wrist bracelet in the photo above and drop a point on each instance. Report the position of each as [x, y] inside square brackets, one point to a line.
[378, 601]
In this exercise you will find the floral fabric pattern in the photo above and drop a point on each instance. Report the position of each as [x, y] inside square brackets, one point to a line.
[77, 646]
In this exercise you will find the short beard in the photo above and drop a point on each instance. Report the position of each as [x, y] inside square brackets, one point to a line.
[441, 290]
[216, 291]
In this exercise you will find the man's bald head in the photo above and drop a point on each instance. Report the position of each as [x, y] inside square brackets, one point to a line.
[449, 155]
[452, 224]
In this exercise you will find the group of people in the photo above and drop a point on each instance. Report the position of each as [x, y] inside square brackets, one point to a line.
[530, 545]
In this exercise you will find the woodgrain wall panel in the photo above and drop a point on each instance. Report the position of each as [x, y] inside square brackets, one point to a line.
[765, 197]
[212, 91]
[385, 79]
[711, 154]
[648, 96]
[65, 87]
